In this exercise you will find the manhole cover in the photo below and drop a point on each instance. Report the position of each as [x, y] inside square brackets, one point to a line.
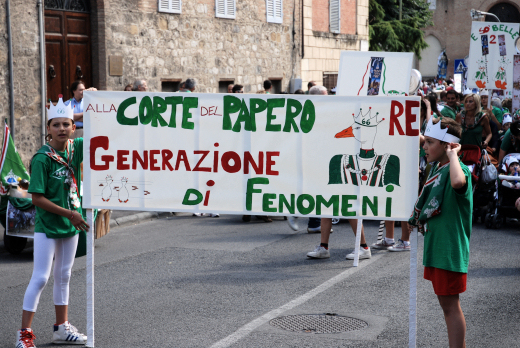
[318, 323]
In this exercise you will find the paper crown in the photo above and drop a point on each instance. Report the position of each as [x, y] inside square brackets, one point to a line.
[484, 92]
[435, 131]
[60, 110]
[507, 118]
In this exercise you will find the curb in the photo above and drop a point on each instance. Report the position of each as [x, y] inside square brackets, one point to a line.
[137, 218]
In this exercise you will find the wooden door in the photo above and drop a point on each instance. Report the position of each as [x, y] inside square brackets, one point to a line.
[68, 57]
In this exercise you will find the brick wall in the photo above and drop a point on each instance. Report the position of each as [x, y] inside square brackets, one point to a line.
[320, 15]
[348, 17]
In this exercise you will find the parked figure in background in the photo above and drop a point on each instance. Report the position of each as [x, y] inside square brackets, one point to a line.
[230, 88]
[268, 86]
[77, 89]
[309, 86]
[128, 88]
[238, 89]
[189, 85]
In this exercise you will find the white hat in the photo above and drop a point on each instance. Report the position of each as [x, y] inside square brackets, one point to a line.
[507, 119]
[484, 92]
[435, 131]
[60, 110]
[511, 160]
[467, 91]
[333, 90]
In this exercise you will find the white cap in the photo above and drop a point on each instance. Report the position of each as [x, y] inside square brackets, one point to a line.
[333, 90]
[511, 160]
[60, 110]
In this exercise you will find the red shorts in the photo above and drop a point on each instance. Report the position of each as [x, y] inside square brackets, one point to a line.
[445, 282]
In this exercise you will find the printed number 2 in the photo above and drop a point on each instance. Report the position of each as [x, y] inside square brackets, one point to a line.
[493, 38]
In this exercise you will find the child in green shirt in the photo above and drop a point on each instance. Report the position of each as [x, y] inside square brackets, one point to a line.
[444, 210]
[54, 186]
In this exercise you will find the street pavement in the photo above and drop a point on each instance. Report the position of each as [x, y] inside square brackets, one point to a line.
[183, 281]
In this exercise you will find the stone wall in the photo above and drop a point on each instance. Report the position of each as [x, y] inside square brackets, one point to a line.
[322, 48]
[196, 44]
[26, 65]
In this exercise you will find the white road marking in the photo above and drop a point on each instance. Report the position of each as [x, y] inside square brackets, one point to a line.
[253, 325]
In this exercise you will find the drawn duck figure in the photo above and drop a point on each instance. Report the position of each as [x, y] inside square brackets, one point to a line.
[106, 194]
[365, 168]
[500, 78]
[481, 74]
[123, 191]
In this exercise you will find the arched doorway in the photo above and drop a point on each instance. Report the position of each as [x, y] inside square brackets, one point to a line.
[506, 12]
[428, 63]
[67, 46]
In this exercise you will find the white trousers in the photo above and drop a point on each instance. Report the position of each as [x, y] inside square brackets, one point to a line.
[63, 250]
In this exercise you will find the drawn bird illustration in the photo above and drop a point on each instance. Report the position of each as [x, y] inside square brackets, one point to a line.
[123, 191]
[106, 194]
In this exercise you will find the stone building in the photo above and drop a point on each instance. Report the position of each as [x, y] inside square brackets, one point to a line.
[109, 44]
[452, 28]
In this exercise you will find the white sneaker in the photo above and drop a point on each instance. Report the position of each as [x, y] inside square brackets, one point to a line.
[335, 221]
[400, 246]
[293, 222]
[25, 339]
[363, 254]
[314, 229]
[67, 334]
[198, 214]
[319, 253]
[382, 245]
[213, 215]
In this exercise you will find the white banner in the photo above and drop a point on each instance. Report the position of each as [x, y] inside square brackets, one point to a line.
[516, 83]
[302, 155]
[491, 51]
[374, 73]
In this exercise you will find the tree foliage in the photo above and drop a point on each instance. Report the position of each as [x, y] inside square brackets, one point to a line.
[388, 33]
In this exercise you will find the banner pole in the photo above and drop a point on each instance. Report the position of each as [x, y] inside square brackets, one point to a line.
[412, 319]
[90, 279]
[358, 241]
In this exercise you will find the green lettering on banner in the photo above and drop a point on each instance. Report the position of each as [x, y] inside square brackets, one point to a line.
[388, 207]
[243, 116]
[345, 205]
[121, 118]
[145, 105]
[283, 202]
[250, 189]
[159, 106]
[334, 201]
[267, 202]
[301, 208]
[257, 106]
[188, 103]
[290, 115]
[308, 117]
[473, 37]
[371, 205]
[198, 197]
[173, 101]
[231, 105]
[271, 104]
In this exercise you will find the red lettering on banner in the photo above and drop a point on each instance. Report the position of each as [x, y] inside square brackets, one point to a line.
[95, 143]
[270, 162]
[249, 160]
[184, 158]
[89, 107]
[209, 111]
[121, 160]
[167, 155]
[411, 117]
[153, 160]
[136, 158]
[237, 162]
[393, 117]
[201, 169]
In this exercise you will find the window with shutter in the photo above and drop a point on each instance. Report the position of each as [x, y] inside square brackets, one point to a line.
[334, 16]
[225, 9]
[274, 11]
[170, 6]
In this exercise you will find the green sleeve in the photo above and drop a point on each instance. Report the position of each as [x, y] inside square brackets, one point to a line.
[335, 170]
[446, 112]
[498, 114]
[39, 175]
[78, 149]
[392, 171]
[506, 143]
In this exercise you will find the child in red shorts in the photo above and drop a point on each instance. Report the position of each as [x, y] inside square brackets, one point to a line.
[444, 210]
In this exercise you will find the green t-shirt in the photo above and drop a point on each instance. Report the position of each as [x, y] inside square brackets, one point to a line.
[449, 112]
[446, 244]
[48, 177]
[499, 114]
[507, 144]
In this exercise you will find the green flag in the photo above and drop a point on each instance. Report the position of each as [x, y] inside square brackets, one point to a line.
[12, 167]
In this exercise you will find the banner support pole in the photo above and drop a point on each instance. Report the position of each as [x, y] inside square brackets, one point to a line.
[90, 279]
[412, 317]
[358, 241]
